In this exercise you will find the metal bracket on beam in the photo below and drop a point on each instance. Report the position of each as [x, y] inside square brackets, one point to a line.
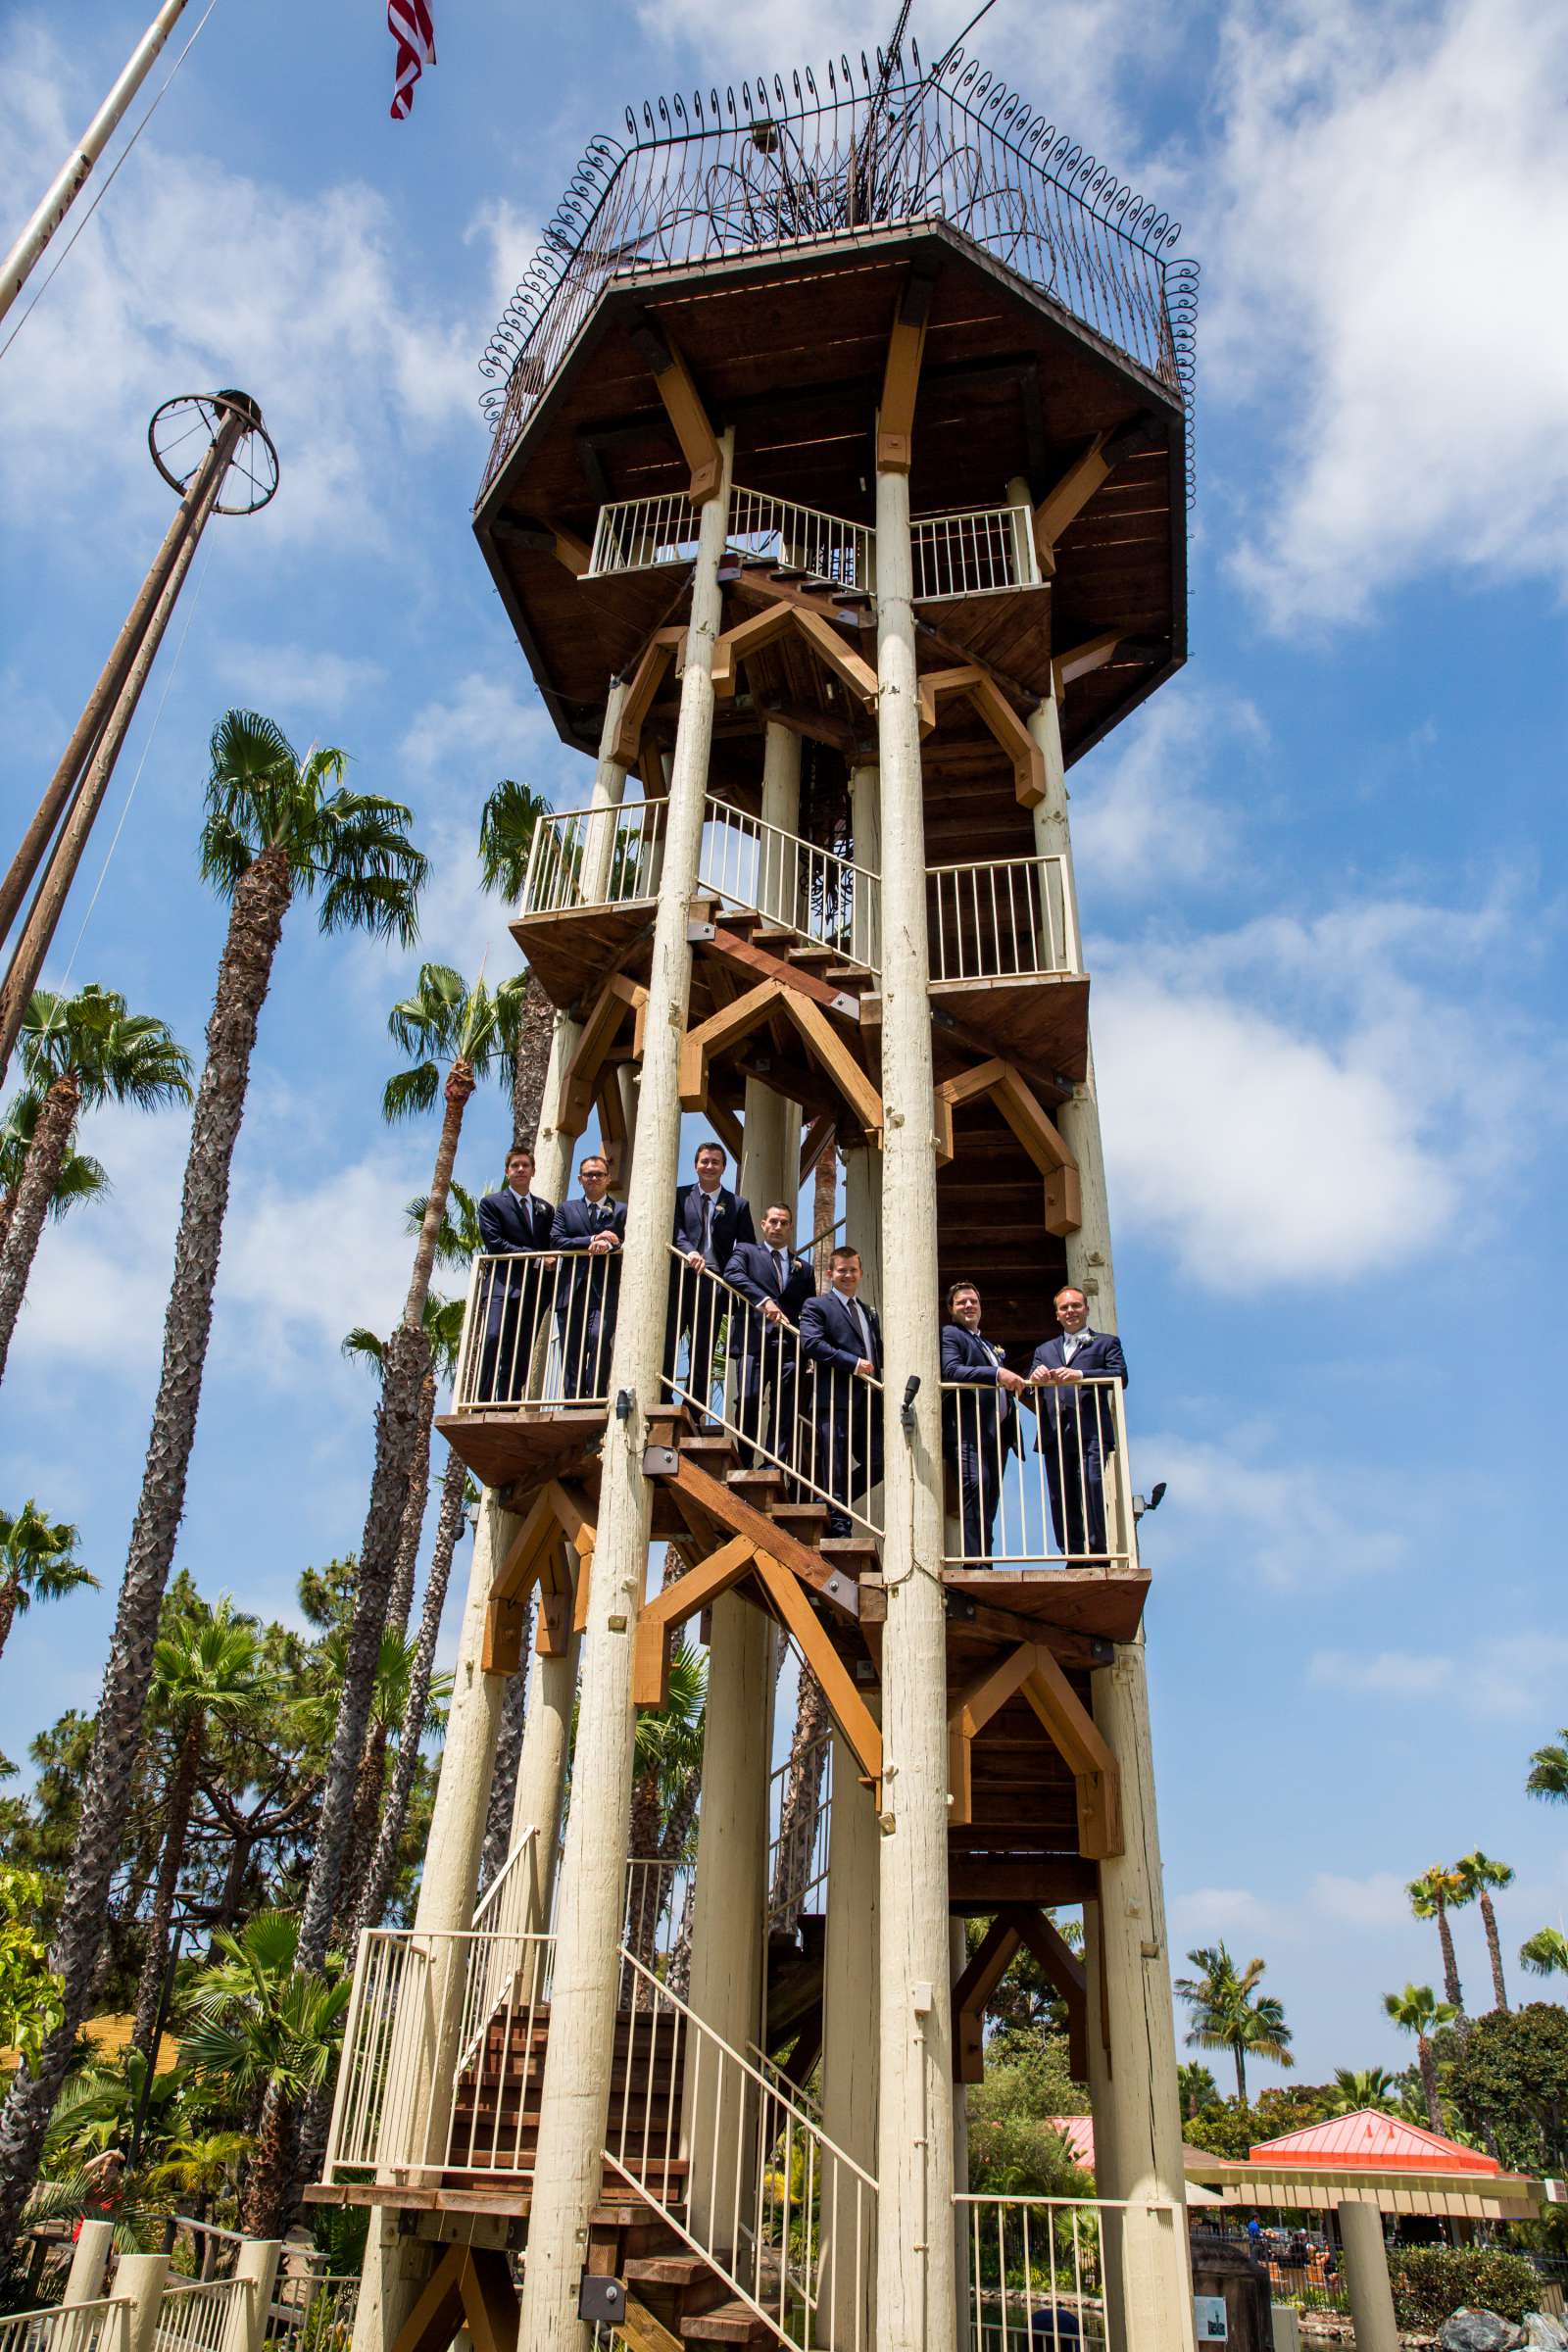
[659, 1461]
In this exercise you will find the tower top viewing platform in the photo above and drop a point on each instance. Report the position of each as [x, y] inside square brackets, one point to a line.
[766, 236]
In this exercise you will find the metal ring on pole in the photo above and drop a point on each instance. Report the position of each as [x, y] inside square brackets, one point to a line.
[184, 429]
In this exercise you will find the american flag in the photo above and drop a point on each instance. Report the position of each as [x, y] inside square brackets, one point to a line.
[409, 23]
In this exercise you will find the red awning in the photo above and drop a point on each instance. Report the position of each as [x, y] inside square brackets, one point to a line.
[1384, 2143]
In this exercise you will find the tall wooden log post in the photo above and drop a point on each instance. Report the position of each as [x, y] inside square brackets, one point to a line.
[863, 1164]
[576, 2096]
[850, 2037]
[429, 2020]
[553, 1146]
[1129, 1941]
[915, 2277]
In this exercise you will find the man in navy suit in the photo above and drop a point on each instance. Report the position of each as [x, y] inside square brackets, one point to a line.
[842, 1339]
[979, 1418]
[513, 1223]
[707, 1222]
[590, 1231]
[776, 1287]
[1077, 1424]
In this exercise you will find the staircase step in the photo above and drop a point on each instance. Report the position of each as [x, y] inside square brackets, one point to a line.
[811, 951]
[847, 975]
[788, 571]
[663, 2270]
[730, 2324]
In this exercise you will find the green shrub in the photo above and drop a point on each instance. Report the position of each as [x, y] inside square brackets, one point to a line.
[1431, 2282]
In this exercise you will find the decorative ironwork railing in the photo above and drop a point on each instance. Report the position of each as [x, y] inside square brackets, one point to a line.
[767, 167]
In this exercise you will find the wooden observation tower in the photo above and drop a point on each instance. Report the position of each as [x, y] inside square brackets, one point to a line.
[837, 497]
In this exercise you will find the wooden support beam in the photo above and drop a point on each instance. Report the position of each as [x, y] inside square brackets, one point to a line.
[616, 996]
[900, 380]
[722, 1029]
[785, 618]
[640, 2332]
[683, 406]
[832, 1056]
[747, 637]
[659, 1617]
[1043, 1140]
[985, 696]
[438, 2313]
[969, 1710]
[740, 954]
[834, 648]
[987, 1965]
[1064, 1972]
[732, 1024]
[1067, 500]
[728, 1129]
[583, 1545]
[1083, 1750]
[489, 2301]
[1079, 660]
[646, 680]
[818, 1139]
[651, 766]
[729, 1509]
[846, 1708]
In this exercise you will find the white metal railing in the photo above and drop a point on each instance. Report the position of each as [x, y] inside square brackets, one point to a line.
[790, 1395]
[102, 2326]
[1034, 2270]
[1038, 1479]
[798, 1853]
[827, 901]
[594, 857]
[638, 534]
[1010, 917]
[738, 2166]
[327, 2323]
[195, 2315]
[538, 1330]
[977, 550]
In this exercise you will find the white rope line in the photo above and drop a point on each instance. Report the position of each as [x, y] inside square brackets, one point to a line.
[106, 183]
[151, 732]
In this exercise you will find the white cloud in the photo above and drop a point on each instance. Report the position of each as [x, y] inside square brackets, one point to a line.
[1514, 1675]
[1141, 819]
[484, 730]
[1390, 210]
[294, 682]
[1280, 1526]
[1214, 1914]
[1318, 1078]
[1377, 1900]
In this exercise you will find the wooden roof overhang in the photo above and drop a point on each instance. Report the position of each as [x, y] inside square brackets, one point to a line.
[789, 349]
[1477, 2196]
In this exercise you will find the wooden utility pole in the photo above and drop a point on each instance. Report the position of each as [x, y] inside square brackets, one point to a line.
[73, 175]
[77, 787]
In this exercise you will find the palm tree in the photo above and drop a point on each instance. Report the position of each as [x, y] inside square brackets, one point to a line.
[81, 1178]
[443, 1331]
[1430, 1897]
[803, 1795]
[264, 2026]
[1359, 2087]
[474, 1032]
[1196, 2087]
[76, 1051]
[276, 827]
[1417, 2011]
[1545, 1953]
[667, 1759]
[1482, 1877]
[456, 1490]
[200, 2167]
[506, 824]
[37, 1562]
[208, 1669]
[1549, 1771]
[1229, 2013]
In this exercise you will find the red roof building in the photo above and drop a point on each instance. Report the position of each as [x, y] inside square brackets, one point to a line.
[1383, 2143]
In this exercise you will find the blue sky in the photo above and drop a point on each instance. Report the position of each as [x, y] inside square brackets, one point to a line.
[1320, 874]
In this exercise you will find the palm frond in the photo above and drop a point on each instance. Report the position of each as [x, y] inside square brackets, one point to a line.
[410, 1092]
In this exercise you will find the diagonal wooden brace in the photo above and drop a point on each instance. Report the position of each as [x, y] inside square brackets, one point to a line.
[659, 1617]
[969, 1710]
[846, 1708]
[988, 1964]
[1083, 1750]
[1064, 1972]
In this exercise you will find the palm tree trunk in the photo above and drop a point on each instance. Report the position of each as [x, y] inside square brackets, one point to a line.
[509, 1751]
[268, 2194]
[411, 1532]
[40, 1173]
[459, 1087]
[1427, 2059]
[1240, 2056]
[536, 1028]
[8, 1610]
[361, 1832]
[825, 1199]
[803, 1795]
[177, 1821]
[395, 1812]
[254, 927]
[1489, 1919]
[1451, 1966]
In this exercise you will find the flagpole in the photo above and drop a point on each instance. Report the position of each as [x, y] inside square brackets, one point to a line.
[73, 175]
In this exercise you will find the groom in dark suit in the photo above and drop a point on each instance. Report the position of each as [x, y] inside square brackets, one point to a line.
[842, 1339]
[979, 1418]
[589, 1231]
[775, 1286]
[1077, 1424]
[513, 1223]
[708, 1223]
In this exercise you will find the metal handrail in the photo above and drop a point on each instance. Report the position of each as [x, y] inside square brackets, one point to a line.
[973, 551]
[1036, 1491]
[1002, 918]
[492, 1894]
